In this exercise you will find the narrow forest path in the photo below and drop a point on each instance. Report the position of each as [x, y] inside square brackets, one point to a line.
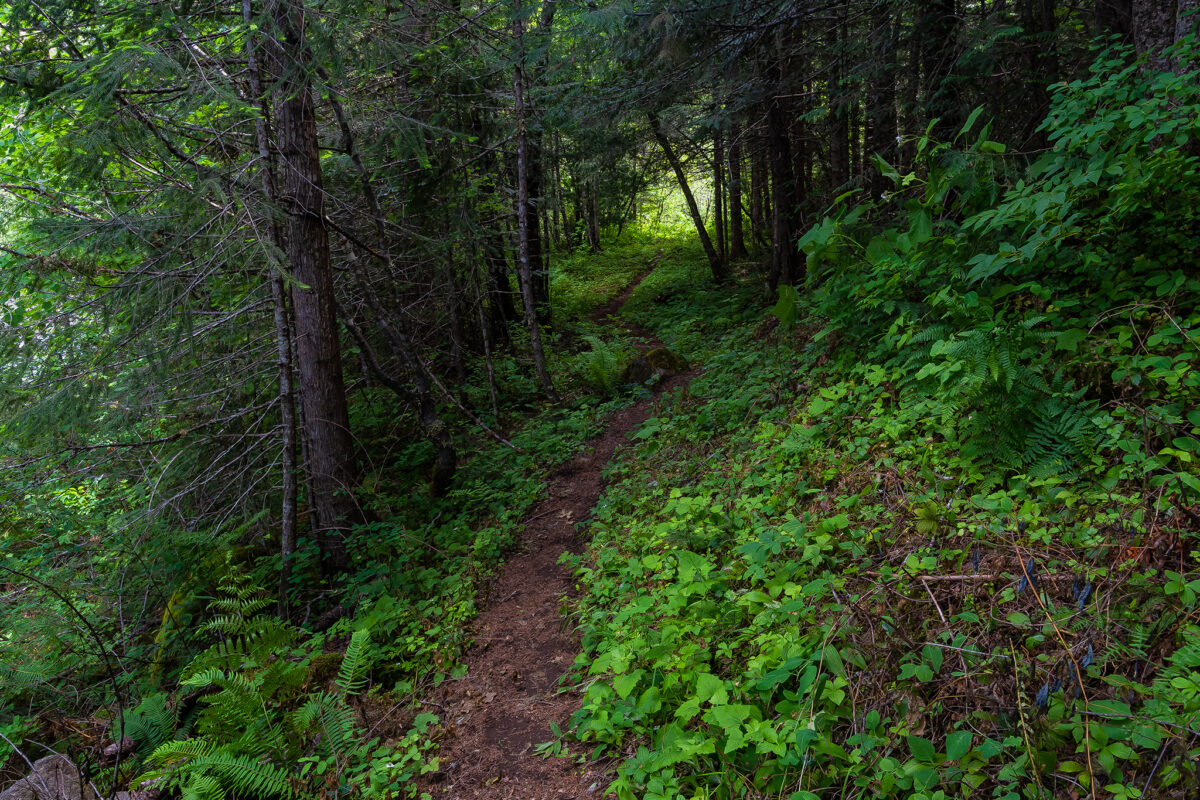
[495, 716]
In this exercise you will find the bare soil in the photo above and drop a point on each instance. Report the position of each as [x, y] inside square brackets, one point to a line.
[494, 717]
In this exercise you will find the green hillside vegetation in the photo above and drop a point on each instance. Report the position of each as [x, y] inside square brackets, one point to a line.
[930, 530]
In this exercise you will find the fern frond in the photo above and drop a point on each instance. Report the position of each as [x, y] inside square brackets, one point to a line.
[196, 764]
[152, 722]
[931, 334]
[329, 716]
[352, 675]
[230, 681]
[244, 774]
[602, 366]
[177, 752]
[202, 787]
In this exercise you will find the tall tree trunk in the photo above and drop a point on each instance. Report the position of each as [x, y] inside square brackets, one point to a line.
[854, 129]
[283, 334]
[1154, 23]
[881, 98]
[737, 243]
[558, 206]
[715, 264]
[487, 360]
[318, 352]
[502, 310]
[287, 466]
[909, 123]
[800, 150]
[575, 220]
[524, 221]
[1187, 18]
[537, 256]
[592, 210]
[783, 197]
[719, 196]
[758, 191]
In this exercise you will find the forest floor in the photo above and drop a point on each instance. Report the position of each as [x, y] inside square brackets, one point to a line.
[496, 715]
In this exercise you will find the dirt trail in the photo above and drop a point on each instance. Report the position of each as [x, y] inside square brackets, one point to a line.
[503, 707]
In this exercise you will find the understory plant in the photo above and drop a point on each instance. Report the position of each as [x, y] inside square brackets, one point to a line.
[936, 536]
[262, 712]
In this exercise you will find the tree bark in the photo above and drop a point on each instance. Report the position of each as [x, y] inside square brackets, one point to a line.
[559, 207]
[783, 198]
[715, 265]
[331, 462]
[737, 242]
[1154, 23]
[524, 222]
[758, 192]
[593, 213]
[909, 123]
[1041, 42]
[454, 318]
[1187, 18]
[719, 196]
[287, 420]
[493, 395]
[800, 152]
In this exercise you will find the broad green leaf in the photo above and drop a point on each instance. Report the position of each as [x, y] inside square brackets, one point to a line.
[970, 121]
[958, 744]
[730, 717]
[787, 306]
[885, 169]
[922, 749]
[833, 660]
[921, 225]
[624, 684]
[711, 688]
[1191, 481]
[1069, 340]
[985, 265]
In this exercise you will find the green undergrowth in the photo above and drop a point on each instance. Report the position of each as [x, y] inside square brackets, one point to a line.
[596, 365]
[582, 281]
[235, 701]
[273, 708]
[935, 535]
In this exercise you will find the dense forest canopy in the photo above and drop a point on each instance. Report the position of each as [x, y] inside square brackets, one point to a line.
[303, 301]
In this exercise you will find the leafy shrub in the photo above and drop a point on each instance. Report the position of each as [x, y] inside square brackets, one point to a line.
[941, 541]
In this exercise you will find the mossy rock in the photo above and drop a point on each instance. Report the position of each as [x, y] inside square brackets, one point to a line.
[653, 366]
[323, 669]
